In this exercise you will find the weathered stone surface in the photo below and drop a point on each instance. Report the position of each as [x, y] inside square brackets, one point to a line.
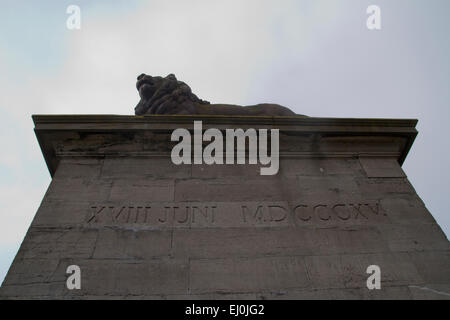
[141, 227]
[381, 167]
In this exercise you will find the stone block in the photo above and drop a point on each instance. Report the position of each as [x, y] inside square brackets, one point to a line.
[120, 243]
[235, 189]
[142, 190]
[143, 168]
[381, 167]
[247, 274]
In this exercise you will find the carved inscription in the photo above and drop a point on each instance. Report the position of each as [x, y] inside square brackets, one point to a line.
[268, 213]
[235, 214]
[338, 212]
[173, 214]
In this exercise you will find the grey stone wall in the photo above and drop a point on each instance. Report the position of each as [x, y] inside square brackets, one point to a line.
[141, 227]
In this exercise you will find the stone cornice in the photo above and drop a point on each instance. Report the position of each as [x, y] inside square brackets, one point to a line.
[319, 136]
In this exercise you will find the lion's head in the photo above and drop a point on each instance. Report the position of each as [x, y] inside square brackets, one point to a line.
[169, 96]
[165, 95]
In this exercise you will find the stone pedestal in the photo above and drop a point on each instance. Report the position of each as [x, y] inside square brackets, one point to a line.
[139, 226]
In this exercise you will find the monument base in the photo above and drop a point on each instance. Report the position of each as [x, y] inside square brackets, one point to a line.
[140, 227]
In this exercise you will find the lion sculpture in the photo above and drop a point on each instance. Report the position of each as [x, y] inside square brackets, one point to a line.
[169, 96]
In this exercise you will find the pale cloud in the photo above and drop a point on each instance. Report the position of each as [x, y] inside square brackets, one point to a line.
[218, 47]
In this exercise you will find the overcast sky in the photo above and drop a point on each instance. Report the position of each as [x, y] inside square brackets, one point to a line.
[316, 57]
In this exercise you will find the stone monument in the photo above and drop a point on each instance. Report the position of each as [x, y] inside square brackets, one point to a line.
[139, 226]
